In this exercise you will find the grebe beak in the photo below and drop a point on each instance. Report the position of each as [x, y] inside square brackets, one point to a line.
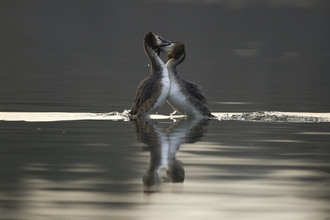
[164, 42]
[168, 48]
[161, 42]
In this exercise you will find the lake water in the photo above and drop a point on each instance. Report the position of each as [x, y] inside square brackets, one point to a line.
[109, 168]
[69, 69]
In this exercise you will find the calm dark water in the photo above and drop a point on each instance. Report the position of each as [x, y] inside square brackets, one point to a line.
[86, 56]
[107, 170]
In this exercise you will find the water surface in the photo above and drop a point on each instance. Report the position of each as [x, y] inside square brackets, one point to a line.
[189, 168]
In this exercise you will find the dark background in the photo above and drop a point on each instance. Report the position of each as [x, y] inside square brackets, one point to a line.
[88, 55]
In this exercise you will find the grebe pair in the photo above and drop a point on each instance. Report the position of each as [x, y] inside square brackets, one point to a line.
[165, 84]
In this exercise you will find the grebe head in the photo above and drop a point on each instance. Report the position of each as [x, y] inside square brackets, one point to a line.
[156, 42]
[176, 51]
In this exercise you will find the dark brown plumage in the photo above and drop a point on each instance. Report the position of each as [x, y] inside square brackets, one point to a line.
[153, 90]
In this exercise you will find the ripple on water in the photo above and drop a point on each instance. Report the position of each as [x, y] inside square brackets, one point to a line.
[261, 116]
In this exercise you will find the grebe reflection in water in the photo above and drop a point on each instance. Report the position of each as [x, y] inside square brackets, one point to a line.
[163, 146]
[153, 90]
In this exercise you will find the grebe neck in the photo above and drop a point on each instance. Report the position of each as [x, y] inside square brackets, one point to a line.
[172, 63]
[156, 64]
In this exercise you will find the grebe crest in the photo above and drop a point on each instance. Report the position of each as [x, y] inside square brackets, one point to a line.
[184, 96]
[153, 90]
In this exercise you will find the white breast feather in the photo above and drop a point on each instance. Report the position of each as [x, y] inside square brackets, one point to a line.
[179, 101]
[165, 90]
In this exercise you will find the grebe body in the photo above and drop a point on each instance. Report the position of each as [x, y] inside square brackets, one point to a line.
[185, 97]
[153, 91]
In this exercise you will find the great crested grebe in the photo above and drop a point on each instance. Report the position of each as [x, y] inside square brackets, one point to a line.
[153, 91]
[185, 97]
